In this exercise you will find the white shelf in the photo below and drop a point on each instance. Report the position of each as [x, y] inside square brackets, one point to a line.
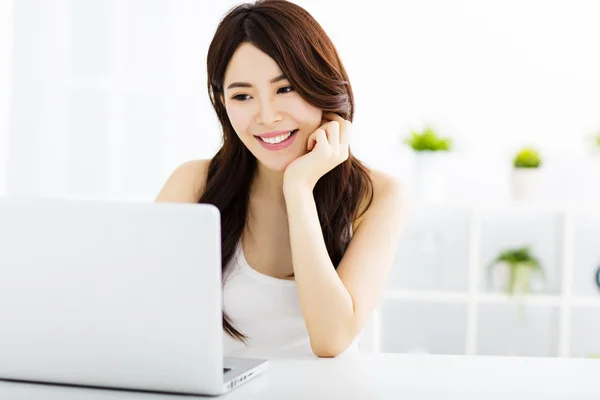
[432, 296]
[529, 299]
[560, 303]
[586, 301]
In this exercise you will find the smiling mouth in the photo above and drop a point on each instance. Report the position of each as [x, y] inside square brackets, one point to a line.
[278, 139]
[279, 142]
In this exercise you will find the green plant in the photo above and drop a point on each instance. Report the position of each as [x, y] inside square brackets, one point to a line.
[598, 140]
[428, 140]
[522, 265]
[527, 157]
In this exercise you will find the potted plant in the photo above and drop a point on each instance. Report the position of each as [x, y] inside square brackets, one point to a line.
[526, 174]
[430, 179]
[517, 271]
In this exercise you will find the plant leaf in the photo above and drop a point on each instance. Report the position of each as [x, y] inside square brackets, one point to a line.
[427, 140]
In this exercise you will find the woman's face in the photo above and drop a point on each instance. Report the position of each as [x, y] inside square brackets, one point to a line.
[261, 103]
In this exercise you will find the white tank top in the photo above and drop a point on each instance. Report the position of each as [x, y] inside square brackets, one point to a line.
[267, 310]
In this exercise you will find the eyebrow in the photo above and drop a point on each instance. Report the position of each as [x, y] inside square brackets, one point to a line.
[247, 85]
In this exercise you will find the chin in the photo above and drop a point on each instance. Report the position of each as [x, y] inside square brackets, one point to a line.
[276, 165]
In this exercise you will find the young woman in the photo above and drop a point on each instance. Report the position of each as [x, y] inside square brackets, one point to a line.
[308, 232]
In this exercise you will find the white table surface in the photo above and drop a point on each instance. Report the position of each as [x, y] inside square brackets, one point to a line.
[381, 376]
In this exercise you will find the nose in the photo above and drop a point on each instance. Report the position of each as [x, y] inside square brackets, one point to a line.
[268, 113]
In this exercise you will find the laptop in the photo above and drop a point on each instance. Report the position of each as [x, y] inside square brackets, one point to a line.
[114, 294]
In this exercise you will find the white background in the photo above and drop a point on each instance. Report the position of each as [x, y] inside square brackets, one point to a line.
[109, 96]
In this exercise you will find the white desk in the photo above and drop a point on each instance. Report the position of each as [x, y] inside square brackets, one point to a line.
[382, 376]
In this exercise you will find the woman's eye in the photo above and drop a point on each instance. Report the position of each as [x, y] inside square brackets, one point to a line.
[239, 97]
[244, 97]
[287, 87]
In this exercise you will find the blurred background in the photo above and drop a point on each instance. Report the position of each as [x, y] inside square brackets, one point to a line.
[488, 111]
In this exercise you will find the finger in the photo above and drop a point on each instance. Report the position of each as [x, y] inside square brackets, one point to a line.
[331, 116]
[320, 139]
[315, 137]
[333, 135]
[345, 127]
[323, 126]
[345, 133]
[312, 140]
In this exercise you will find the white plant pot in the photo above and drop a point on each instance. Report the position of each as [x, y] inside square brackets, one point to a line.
[525, 183]
[430, 177]
[527, 280]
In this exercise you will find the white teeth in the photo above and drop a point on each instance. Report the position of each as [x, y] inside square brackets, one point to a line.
[277, 139]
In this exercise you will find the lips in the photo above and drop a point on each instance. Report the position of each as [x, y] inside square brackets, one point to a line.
[268, 135]
[281, 145]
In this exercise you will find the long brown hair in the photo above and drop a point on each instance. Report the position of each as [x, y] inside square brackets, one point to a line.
[290, 35]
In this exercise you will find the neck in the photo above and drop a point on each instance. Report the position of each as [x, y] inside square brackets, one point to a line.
[268, 185]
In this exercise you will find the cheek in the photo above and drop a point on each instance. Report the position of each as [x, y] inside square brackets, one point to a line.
[306, 114]
[239, 120]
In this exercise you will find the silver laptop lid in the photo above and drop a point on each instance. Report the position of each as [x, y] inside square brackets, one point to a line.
[124, 295]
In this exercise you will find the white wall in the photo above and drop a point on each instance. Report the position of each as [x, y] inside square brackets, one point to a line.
[110, 95]
[495, 75]
[6, 40]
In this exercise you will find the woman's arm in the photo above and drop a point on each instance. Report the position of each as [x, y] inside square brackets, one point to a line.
[336, 304]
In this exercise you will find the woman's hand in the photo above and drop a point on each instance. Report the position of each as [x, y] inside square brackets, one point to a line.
[328, 147]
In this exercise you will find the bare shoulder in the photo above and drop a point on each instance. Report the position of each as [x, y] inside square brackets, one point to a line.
[388, 197]
[186, 183]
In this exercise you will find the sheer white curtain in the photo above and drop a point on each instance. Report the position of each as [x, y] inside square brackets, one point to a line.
[6, 45]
